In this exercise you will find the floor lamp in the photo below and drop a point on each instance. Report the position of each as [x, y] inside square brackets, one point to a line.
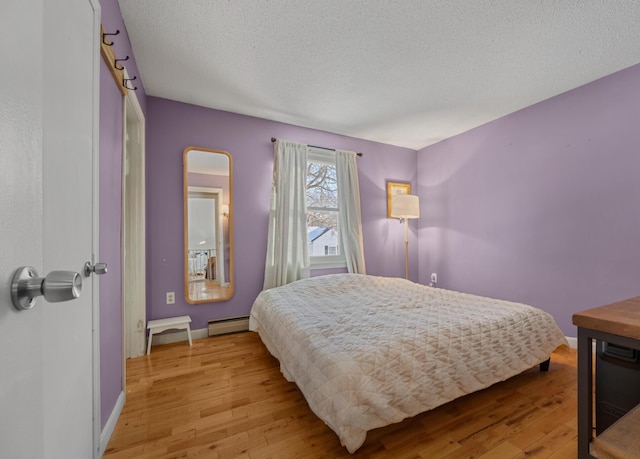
[405, 206]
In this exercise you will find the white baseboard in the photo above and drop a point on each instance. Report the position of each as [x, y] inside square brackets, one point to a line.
[107, 431]
[177, 336]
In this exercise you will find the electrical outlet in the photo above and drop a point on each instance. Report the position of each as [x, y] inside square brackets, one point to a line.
[171, 297]
[434, 279]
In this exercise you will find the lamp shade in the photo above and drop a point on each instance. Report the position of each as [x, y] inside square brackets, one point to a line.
[405, 206]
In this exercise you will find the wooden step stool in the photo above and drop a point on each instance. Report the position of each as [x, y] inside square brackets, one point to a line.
[170, 323]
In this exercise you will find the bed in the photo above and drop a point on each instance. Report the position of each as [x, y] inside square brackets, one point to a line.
[370, 351]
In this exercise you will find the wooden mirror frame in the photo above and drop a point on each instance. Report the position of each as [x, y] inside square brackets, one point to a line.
[223, 292]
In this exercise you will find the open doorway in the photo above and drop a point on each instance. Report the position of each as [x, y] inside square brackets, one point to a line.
[206, 276]
[133, 231]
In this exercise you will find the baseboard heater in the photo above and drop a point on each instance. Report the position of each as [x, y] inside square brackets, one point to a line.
[228, 325]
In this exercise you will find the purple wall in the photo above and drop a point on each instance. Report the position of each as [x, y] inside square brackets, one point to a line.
[541, 206]
[172, 126]
[110, 146]
[109, 246]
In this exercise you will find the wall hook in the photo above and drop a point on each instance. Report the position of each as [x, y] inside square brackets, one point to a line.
[104, 34]
[125, 83]
[115, 63]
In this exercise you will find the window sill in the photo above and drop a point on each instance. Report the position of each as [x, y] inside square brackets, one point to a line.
[327, 262]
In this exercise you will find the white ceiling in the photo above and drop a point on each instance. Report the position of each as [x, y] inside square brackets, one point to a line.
[404, 72]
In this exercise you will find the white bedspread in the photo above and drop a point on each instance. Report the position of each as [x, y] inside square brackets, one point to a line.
[370, 351]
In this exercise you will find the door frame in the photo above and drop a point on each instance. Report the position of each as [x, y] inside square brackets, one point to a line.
[131, 110]
[217, 194]
[95, 301]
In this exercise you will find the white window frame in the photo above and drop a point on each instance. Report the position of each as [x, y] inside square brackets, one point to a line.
[321, 155]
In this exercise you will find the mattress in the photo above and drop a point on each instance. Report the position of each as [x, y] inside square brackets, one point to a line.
[369, 351]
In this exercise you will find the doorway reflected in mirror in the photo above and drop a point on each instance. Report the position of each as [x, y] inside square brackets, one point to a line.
[208, 225]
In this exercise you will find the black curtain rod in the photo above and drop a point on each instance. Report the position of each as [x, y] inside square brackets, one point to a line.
[273, 139]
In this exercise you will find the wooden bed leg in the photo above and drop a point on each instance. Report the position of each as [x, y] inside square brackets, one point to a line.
[544, 366]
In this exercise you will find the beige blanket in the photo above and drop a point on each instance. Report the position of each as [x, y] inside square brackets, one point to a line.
[370, 351]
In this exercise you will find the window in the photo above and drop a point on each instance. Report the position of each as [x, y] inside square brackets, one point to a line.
[322, 210]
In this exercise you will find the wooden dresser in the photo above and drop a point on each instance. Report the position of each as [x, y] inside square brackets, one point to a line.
[619, 324]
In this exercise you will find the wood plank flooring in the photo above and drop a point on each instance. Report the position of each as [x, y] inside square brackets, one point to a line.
[203, 290]
[226, 398]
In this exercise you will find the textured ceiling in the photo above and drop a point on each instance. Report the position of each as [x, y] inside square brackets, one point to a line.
[405, 72]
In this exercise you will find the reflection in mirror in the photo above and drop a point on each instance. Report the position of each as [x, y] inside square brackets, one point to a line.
[208, 225]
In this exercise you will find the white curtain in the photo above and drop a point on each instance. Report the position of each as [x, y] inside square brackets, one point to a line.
[349, 216]
[287, 246]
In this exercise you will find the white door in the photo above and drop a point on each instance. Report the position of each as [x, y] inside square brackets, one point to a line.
[48, 141]
[21, 340]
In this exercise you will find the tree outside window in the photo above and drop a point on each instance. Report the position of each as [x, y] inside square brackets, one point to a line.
[322, 205]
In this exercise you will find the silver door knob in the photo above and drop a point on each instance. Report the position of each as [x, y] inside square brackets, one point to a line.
[57, 286]
[98, 268]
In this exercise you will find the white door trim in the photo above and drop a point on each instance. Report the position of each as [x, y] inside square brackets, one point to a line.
[95, 301]
[131, 109]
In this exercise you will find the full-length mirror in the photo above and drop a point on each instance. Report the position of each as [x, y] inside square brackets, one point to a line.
[208, 225]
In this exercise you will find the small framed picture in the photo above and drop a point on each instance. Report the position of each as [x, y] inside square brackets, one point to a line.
[396, 188]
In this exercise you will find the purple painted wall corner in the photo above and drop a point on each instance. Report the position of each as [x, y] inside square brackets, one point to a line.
[540, 206]
[172, 126]
[110, 144]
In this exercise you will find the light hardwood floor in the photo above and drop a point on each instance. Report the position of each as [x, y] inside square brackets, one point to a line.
[204, 290]
[226, 398]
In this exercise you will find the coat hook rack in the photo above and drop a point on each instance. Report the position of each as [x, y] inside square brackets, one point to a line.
[104, 34]
[109, 56]
[125, 83]
[115, 63]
